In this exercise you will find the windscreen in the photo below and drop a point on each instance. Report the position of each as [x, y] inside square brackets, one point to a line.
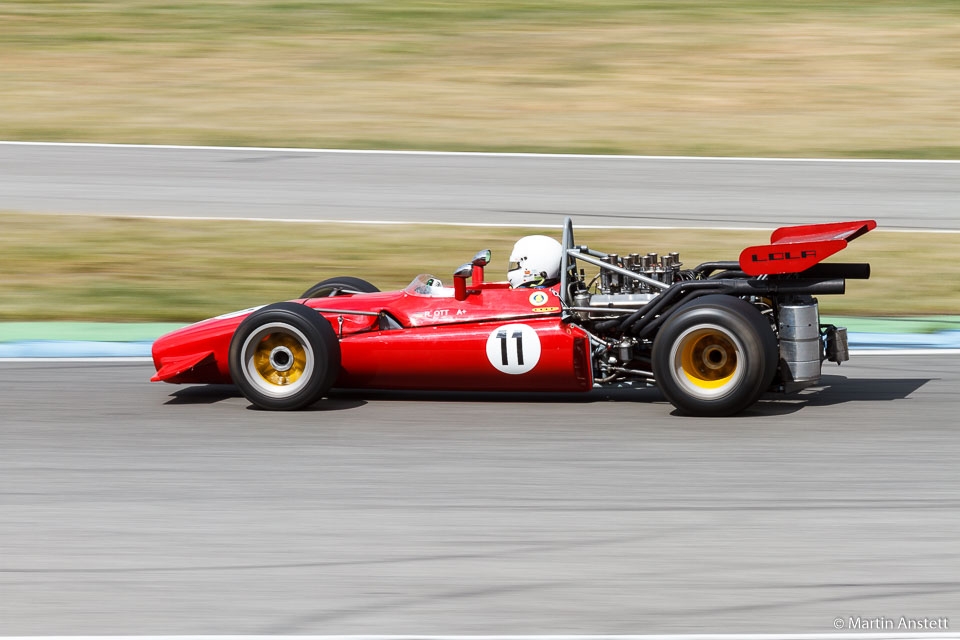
[428, 286]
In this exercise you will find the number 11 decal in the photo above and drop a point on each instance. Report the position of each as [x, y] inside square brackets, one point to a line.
[513, 348]
[502, 337]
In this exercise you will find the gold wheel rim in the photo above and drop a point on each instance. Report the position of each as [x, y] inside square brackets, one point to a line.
[280, 358]
[708, 358]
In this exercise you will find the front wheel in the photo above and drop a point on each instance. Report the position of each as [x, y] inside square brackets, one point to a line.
[339, 286]
[715, 356]
[284, 356]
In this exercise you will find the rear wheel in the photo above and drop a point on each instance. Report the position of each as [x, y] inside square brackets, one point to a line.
[715, 356]
[340, 286]
[284, 356]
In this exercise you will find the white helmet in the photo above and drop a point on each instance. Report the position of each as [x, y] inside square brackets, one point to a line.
[534, 260]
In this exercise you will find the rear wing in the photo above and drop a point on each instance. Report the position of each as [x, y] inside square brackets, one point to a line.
[795, 249]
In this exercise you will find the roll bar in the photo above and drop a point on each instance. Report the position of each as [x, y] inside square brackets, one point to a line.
[566, 264]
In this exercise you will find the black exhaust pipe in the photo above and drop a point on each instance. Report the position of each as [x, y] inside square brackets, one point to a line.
[800, 286]
[848, 270]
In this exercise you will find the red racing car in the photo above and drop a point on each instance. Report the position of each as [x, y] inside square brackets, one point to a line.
[713, 338]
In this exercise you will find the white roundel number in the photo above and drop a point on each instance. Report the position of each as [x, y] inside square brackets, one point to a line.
[513, 348]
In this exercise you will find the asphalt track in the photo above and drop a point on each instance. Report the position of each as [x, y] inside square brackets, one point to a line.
[131, 507]
[477, 188]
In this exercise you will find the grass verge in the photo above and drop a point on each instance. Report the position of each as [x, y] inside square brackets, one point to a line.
[696, 77]
[122, 269]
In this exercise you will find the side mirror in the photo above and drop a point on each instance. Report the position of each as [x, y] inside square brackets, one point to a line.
[460, 276]
[479, 261]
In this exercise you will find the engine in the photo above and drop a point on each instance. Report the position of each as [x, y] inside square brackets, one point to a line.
[617, 293]
[715, 336]
[614, 290]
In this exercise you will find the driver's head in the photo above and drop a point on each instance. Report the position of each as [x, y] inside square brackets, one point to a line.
[535, 260]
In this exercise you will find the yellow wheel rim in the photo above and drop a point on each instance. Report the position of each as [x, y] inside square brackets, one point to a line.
[280, 358]
[708, 358]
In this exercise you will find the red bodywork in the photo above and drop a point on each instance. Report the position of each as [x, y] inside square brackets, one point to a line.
[457, 342]
[443, 342]
[795, 249]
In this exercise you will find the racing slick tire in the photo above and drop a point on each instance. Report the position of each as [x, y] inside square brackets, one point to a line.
[714, 356]
[284, 356]
[342, 285]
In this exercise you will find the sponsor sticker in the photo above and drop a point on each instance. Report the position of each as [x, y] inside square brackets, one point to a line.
[432, 313]
[538, 298]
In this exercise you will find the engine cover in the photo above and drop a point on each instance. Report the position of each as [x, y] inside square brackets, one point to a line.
[614, 300]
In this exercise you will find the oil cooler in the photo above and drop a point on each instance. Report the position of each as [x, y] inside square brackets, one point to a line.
[800, 347]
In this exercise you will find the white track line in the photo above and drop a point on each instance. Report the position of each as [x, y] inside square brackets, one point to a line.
[491, 154]
[492, 225]
[680, 636]
[904, 352]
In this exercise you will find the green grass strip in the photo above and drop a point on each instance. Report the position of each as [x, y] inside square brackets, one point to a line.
[85, 331]
[90, 269]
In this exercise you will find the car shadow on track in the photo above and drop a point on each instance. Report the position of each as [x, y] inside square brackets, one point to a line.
[646, 395]
[212, 393]
[833, 390]
[340, 399]
[204, 394]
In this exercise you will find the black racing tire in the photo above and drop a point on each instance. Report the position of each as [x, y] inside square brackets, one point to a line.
[339, 286]
[284, 357]
[715, 356]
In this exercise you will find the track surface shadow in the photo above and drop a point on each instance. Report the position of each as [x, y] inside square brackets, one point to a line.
[326, 404]
[596, 395]
[204, 394]
[213, 393]
[832, 390]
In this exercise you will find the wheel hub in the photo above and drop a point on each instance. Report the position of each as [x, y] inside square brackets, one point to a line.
[714, 357]
[279, 358]
[708, 358]
[706, 361]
